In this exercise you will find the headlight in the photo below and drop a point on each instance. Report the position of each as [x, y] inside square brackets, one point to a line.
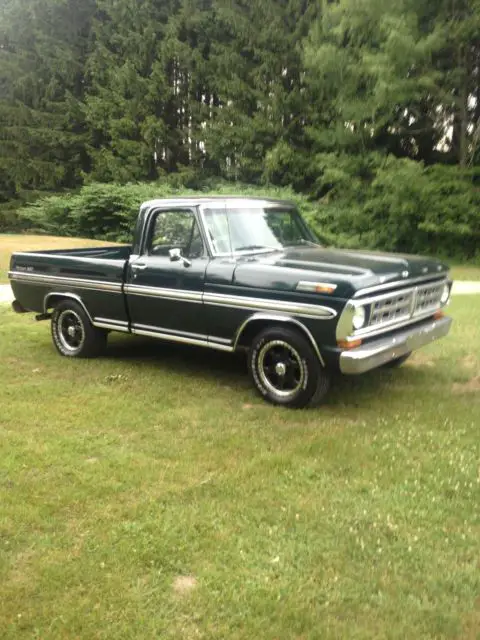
[445, 294]
[359, 318]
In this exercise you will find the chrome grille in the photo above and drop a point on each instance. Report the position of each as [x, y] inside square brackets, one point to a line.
[391, 309]
[428, 298]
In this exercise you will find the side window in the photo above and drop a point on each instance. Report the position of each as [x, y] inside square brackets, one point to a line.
[175, 230]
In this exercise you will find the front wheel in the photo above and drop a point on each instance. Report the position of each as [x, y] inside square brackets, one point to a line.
[285, 369]
[72, 333]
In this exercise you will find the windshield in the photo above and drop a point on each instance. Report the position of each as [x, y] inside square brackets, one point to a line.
[233, 230]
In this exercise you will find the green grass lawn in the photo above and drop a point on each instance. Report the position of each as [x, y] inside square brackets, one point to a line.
[151, 494]
[465, 272]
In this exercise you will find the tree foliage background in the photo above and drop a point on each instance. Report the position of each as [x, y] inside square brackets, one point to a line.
[370, 109]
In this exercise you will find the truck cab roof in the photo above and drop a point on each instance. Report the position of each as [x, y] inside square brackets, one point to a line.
[195, 201]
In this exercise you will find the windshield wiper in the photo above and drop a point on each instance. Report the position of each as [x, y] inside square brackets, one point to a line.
[254, 247]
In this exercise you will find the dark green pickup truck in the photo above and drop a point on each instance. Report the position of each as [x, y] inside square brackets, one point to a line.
[240, 273]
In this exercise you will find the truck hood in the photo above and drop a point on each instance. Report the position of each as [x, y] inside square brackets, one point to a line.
[349, 270]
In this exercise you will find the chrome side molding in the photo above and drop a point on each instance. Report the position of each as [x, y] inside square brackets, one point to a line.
[111, 324]
[164, 293]
[79, 283]
[194, 339]
[266, 304]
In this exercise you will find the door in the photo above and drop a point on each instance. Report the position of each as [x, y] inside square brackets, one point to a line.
[165, 284]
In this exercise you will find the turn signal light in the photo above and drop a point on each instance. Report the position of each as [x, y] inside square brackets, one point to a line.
[348, 344]
[438, 314]
[325, 288]
[316, 287]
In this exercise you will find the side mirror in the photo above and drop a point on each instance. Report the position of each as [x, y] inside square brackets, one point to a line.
[176, 255]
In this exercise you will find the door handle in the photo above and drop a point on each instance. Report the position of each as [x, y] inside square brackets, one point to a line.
[139, 267]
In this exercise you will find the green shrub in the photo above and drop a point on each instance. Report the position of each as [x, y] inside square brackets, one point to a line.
[109, 211]
[369, 202]
[400, 205]
[103, 211]
[9, 220]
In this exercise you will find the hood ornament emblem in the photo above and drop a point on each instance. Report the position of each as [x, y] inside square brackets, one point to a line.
[404, 274]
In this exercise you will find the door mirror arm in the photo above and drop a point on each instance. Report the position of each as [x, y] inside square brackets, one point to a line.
[176, 255]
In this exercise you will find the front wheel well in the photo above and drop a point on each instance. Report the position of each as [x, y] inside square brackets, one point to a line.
[249, 330]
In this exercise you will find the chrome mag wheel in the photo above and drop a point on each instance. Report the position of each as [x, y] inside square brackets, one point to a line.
[281, 369]
[71, 331]
[73, 334]
[285, 368]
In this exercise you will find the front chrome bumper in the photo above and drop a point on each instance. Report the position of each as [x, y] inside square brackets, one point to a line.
[378, 352]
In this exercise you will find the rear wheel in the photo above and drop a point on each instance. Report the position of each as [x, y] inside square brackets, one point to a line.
[285, 369]
[73, 334]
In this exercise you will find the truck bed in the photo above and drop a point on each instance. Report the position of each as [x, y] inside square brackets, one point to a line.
[96, 275]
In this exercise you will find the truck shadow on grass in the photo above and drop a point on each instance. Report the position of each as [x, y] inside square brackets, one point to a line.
[179, 358]
[230, 370]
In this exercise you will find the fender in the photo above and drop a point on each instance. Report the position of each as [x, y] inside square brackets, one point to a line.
[65, 294]
[277, 318]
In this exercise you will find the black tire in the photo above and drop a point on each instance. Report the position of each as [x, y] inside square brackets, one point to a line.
[73, 334]
[285, 369]
[393, 364]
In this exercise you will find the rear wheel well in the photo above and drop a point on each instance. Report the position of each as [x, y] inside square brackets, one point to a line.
[53, 299]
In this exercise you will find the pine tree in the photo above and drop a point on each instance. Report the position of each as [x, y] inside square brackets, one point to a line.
[257, 69]
[234, 70]
[128, 89]
[397, 78]
[42, 131]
